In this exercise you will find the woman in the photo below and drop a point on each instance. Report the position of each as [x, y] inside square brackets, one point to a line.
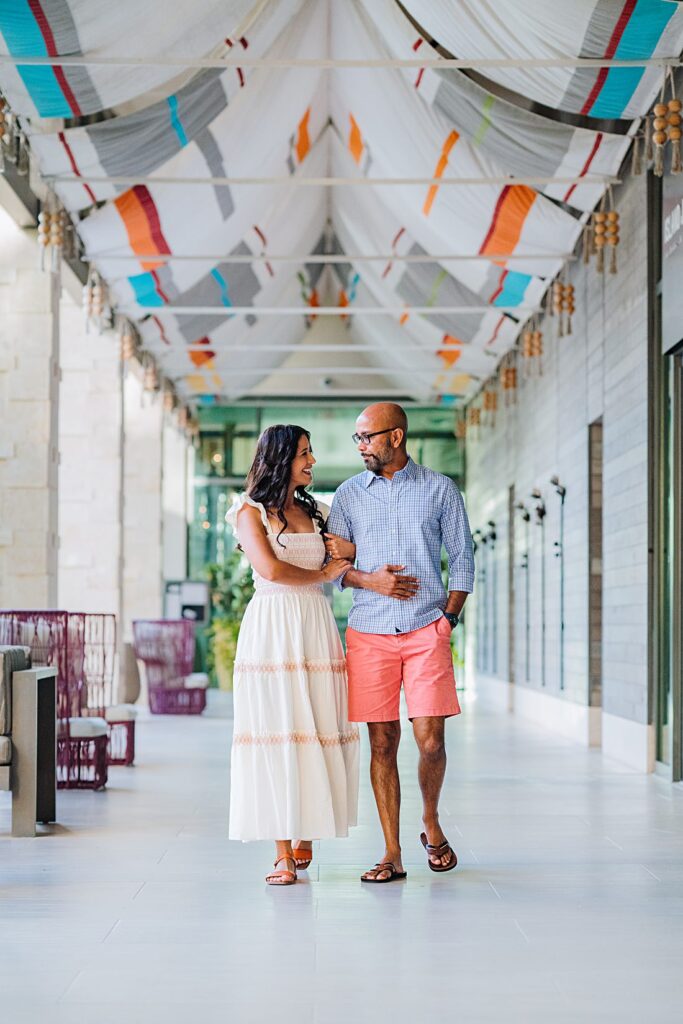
[294, 753]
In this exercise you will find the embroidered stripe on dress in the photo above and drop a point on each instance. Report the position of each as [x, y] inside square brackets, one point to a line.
[272, 739]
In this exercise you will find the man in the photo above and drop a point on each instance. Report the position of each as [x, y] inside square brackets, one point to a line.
[398, 514]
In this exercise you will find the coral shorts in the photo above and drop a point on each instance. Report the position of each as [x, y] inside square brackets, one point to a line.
[378, 663]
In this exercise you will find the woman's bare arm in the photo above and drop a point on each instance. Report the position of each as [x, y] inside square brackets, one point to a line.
[254, 542]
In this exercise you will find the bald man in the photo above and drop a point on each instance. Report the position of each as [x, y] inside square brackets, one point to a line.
[398, 515]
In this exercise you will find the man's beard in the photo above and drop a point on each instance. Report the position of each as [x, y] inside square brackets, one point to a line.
[375, 462]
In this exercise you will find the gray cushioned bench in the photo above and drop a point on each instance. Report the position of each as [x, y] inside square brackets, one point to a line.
[27, 739]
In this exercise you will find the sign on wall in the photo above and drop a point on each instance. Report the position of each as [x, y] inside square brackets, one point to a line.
[672, 262]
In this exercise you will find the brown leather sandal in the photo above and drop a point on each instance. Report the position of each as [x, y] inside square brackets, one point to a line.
[439, 851]
[303, 857]
[385, 865]
[284, 876]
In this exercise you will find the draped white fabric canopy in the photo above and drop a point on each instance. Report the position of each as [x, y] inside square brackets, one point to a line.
[159, 165]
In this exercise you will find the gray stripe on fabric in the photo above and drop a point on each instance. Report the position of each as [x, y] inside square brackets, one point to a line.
[139, 143]
[599, 30]
[164, 275]
[519, 140]
[242, 286]
[417, 282]
[329, 245]
[64, 31]
[208, 147]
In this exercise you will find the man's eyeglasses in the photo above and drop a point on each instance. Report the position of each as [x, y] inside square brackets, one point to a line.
[365, 438]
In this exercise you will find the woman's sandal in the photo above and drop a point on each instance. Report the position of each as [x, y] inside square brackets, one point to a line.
[284, 876]
[303, 857]
[385, 865]
[439, 851]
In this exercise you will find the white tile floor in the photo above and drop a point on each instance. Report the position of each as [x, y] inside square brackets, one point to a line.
[567, 905]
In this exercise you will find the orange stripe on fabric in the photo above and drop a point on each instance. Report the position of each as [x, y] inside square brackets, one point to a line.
[508, 221]
[438, 173]
[132, 213]
[303, 141]
[355, 140]
[450, 356]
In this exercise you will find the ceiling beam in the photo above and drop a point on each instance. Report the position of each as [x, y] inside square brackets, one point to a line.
[295, 181]
[318, 257]
[299, 347]
[329, 371]
[330, 63]
[229, 311]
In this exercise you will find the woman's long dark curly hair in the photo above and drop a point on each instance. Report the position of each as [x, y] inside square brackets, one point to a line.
[269, 476]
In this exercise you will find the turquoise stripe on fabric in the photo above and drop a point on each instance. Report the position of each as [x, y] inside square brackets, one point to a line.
[175, 120]
[640, 38]
[22, 35]
[514, 289]
[145, 290]
[223, 285]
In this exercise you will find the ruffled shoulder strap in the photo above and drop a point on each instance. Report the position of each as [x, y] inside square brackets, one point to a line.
[238, 504]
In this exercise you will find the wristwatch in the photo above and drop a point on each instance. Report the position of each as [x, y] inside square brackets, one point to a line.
[452, 618]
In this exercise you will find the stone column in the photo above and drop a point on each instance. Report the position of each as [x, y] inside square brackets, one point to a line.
[142, 505]
[29, 400]
[90, 532]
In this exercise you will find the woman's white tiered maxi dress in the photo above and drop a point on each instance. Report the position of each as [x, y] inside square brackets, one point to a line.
[294, 752]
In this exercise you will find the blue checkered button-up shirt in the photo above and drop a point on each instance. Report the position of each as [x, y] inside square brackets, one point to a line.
[404, 521]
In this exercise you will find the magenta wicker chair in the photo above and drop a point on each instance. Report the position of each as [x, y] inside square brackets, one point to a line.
[166, 646]
[82, 646]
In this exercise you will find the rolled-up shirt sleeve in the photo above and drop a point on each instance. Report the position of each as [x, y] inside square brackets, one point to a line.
[457, 539]
[339, 524]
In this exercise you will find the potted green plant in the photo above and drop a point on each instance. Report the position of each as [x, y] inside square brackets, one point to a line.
[231, 587]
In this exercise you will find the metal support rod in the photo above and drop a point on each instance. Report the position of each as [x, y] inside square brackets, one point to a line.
[307, 371]
[350, 348]
[326, 181]
[323, 258]
[313, 311]
[330, 63]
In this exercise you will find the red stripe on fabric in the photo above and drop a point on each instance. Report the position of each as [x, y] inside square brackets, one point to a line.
[147, 203]
[157, 284]
[584, 169]
[419, 78]
[496, 214]
[258, 231]
[397, 237]
[74, 165]
[495, 333]
[417, 44]
[162, 332]
[51, 47]
[622, 22]
[499, 289]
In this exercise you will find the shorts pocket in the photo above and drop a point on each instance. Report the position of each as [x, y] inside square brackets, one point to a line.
[443, 627]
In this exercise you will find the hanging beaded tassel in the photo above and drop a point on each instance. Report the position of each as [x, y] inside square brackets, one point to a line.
[649, 154]
[556, 307]
[599, 227]
[128, 342]
[636, 160]
[44, 222]
[673, 119]
[490, 404]
[587, 242]
[3, 132]
[612, 238]
[527, 350]
[150, 379]
[56, 237]
[461, 429]
[659, 136]
[568, 306]
[537, 349]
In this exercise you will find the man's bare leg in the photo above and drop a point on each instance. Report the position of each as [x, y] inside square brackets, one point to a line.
[384, 741]
[429, 735]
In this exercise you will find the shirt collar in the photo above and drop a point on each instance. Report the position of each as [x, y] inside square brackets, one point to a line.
[409, 471]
